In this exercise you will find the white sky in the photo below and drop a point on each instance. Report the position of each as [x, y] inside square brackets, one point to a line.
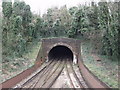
[42, 5]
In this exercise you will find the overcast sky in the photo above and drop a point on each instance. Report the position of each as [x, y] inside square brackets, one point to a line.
[42, 5]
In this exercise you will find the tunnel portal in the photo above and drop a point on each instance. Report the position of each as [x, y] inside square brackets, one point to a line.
[60, 52]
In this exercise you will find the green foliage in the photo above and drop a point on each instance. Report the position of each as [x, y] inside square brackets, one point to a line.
[18, 21]
[71, 33]
[79, 22]
[38, 28]
[108, 23]
[7, 9]
[27, 16]
[56, 22]
[16, 28]
[92, 15]
[18, 8]
[101, 17]
[20, 26]
[72, 10]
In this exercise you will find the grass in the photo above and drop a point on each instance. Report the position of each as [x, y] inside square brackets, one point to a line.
[32, 53]
[17, 65]
[106, 69]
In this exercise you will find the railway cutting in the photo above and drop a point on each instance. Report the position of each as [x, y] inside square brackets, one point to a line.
[58, 64]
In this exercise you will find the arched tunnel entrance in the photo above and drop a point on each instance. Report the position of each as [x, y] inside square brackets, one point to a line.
[60, 52]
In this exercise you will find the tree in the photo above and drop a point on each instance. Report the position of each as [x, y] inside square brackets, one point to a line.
[108, 23]
[92, 15]
[79, 22]
[38, 28]
[72, 10]
[7, 9]
[16, 28]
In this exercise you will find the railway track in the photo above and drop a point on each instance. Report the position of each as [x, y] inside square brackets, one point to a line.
[49, 72]
[34, 76]
[47, 75]
[74, 75]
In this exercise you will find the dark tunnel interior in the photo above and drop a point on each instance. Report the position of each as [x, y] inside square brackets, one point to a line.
[60, 52]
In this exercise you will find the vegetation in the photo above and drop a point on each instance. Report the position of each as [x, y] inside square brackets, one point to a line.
[20, 26]
[17, 65]
[106, 69]
[97, 22]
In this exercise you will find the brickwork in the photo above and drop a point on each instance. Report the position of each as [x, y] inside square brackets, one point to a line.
[72, 44]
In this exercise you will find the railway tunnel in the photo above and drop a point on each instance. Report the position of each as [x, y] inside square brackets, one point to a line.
[60, 52]
[56, 48]
[60, 48]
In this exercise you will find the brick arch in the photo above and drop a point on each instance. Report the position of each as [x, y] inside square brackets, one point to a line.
[62, 44]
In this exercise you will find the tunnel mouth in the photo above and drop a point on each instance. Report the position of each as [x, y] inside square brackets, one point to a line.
[60, 52]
